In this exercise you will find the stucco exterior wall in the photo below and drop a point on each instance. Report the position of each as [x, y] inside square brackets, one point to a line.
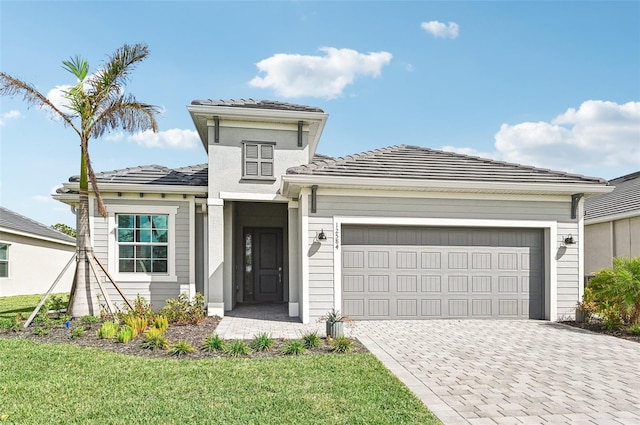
[34, 265]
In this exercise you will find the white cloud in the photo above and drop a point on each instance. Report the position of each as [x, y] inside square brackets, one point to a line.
[175, 138]
[294, 75]
[8, 116]
[598, 133]
[114, 137]
[441, 30]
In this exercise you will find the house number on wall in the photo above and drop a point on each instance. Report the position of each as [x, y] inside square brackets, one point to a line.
[337, 235]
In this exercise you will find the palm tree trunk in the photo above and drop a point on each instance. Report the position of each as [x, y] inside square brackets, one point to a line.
[84, 301]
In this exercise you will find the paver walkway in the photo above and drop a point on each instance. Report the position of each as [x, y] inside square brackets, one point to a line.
[488, 371]
[511, 372]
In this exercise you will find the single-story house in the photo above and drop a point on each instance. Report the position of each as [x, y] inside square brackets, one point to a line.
[612, 224]
[32, 255]
[403, 232]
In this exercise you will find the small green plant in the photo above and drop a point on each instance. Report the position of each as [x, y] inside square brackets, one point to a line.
[41, 330]
[108, 330]
[213, 343]
[181, 348]
[341, 344]
[56, 303]
[125, 335]
[294, 348]
[311, 340]
[183, 311]
[237, 348]
[88, 321]
[635, 329]
[160, 322]
[333, 316]
[16, 323]
[141, 308]
[155, 339]
[77, 332]
[138, 324]
[6, 323]
[262, 342]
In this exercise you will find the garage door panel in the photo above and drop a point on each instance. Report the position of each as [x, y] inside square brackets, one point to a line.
[393, 281]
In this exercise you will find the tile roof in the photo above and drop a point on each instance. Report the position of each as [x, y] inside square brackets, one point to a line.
[195, 175]
[624, 199]
[414, 162]
[14, 221]
[257, 104]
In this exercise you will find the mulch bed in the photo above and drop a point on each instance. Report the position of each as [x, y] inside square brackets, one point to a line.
[594, 326]
[194, 334]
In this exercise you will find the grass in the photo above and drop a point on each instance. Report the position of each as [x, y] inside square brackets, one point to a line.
[59, 383]
[10, 306]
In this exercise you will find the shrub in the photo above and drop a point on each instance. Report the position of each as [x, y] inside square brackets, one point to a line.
[635, 329]
[181, 348]
[141, 308]
[213, 343]
[295, 348]
[618, 288]
[311, 340]
[262, 342]
[237, 348]
[341, 344]
[125, 335]
[56, 303]
[182, 311]
[88, 321]
[108, 330]
[154, 339]
[160, 322]
[138, 324]
[77, 332]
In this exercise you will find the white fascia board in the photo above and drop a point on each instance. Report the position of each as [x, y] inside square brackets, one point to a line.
[256, 197]
[33, 236]
[614, 217]
[145, 188]
[226, 112]
[293, 182]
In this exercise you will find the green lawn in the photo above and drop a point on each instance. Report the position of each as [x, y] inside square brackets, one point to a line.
[58, 383]
[24, 304]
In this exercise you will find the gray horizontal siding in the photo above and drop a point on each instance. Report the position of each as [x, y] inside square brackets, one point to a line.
[155, 292]
[321, 261]
[443, 208]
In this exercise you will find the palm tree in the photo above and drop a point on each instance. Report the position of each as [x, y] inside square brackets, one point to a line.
[96, 105]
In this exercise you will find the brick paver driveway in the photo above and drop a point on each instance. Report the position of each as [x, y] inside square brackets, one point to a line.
[511, 372]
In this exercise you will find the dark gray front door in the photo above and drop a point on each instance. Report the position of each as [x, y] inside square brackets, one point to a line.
[267, 261]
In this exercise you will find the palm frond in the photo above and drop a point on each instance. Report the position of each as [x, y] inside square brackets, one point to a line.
[10, 86]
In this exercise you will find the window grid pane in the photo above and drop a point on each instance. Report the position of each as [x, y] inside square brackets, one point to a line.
[143, 243]
[258, 160]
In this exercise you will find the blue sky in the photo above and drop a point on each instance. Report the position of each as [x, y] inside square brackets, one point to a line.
[551, 84]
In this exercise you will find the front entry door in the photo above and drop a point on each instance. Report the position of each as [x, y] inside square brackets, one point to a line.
[267, 261]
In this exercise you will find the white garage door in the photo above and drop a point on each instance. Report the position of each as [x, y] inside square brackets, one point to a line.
[423, 273]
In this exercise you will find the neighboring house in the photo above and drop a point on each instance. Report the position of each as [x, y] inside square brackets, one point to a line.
[612, 224]
[32, 255]
[402, 232]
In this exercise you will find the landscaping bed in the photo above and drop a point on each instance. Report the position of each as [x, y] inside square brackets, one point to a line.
[193, 334]
[599, 327]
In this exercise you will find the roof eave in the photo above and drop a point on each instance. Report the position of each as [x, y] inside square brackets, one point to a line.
[292, 183]
[35, 236]
[201, 113]
[69, 198]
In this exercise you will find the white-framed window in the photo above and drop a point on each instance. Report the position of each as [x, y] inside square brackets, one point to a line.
[257, 161]
[4, 260]
[142, 242]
